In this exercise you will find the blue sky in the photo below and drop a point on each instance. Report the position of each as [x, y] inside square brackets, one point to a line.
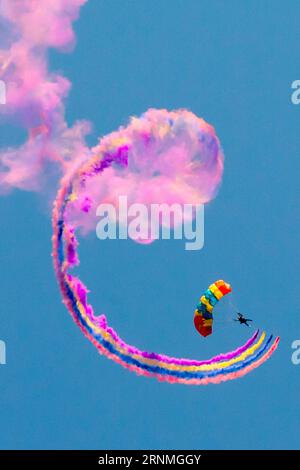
[233, 64]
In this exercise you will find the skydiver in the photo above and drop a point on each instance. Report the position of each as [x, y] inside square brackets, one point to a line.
[243, 321]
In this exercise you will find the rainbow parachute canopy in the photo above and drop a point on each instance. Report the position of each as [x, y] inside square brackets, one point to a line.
[203, 318]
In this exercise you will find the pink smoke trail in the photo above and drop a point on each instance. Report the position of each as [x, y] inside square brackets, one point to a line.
[35, 95]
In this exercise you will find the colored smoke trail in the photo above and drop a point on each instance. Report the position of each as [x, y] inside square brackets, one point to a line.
[170, 157]
[116, 149]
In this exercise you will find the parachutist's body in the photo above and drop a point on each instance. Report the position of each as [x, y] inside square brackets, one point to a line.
[240, 318]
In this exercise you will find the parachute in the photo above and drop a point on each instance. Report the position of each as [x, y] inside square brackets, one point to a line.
[203, 317]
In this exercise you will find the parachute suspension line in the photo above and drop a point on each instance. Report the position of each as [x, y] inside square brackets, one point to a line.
[233, 305]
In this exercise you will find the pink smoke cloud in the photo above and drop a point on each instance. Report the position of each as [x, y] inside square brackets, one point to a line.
[162, 157]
